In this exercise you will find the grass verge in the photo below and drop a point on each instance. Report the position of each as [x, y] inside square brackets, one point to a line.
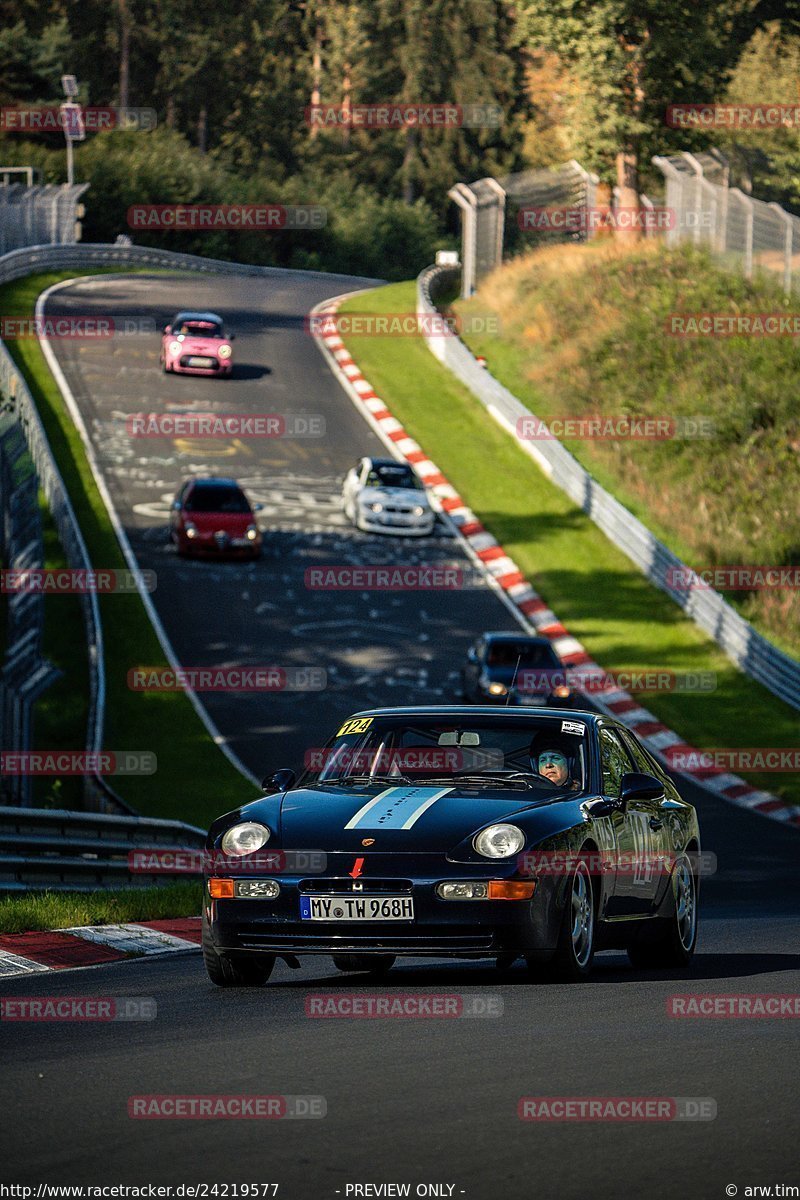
[622, 620]
[585, 332]
[61, 910]
[194, 781]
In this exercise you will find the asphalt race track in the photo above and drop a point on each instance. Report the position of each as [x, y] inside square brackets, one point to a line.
[418, 1101]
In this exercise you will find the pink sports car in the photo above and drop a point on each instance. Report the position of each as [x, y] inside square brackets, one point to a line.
[195, 343]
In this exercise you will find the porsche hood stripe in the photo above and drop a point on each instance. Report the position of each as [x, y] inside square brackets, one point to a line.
[396, 808]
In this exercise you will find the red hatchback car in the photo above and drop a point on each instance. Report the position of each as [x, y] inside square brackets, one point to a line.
[195, 343]
[212, 516]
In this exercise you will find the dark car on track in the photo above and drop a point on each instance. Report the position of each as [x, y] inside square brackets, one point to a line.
[513, 668]
[466, 832]
[212, 516]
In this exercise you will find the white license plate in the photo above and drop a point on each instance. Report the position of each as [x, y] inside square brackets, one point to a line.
[356, 908]
[200, 362]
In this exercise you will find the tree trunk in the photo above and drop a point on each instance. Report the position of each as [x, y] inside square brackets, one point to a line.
[346, 106]
[316, 74]
[124, 51]
[409, 174]
[202, 130]
[628, 194]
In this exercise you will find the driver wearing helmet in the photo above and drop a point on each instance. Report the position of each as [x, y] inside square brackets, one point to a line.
[553, 763]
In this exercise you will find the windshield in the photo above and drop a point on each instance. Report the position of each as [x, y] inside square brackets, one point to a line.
[207, 329]
[391, 476]
[526, 654]
[542, 754]
[217, 500]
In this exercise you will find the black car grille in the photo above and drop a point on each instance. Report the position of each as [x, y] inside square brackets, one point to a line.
[327, 887]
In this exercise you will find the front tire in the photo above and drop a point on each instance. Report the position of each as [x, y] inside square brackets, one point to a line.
[575, 950]
[371, 964]
[676, 945]
[234, 970]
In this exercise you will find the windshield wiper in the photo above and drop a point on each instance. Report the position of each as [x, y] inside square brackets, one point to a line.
[369, 779]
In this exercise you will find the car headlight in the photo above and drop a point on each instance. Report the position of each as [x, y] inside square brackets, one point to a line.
[497, 689]
[562, 692]
[499, 841]
[377, 506]
[224, 352]
[245, 838]
[174, 347]
[190, 530]
[251, 533]
[418, 510]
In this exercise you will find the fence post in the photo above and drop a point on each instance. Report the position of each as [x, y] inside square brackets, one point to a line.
[501, 217]
[748, 245]
[466, 201]
[787, 246]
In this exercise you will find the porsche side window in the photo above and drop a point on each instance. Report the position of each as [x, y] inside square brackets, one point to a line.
[615, 762]
[638, 755]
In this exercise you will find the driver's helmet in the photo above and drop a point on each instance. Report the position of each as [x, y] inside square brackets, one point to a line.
[552, 756]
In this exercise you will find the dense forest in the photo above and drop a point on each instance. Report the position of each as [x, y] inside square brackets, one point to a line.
[232, 86]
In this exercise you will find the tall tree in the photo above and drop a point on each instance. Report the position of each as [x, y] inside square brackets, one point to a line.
[632, 58]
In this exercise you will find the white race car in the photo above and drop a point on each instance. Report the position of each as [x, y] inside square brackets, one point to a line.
[383, 496]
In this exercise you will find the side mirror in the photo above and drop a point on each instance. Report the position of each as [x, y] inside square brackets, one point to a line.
[176, 504]
[604, 807]
[472, 654]
[281, 781]
[258, 508]
[167, 329]
[637, 786]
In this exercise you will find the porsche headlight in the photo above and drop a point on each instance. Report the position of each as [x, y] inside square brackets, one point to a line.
[499, 841]
[174, 347]
[224, 352]
[245, 838]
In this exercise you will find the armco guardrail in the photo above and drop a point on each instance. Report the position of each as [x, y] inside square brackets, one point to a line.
[748, 649]
[74, 851]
